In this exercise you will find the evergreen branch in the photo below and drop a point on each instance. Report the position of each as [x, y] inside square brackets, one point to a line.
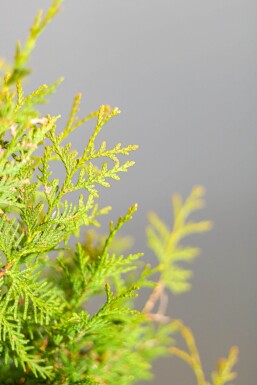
[224, 373]
[113, 308]
[114, 229]
[89, 175]
[72, 118]
[26, 289]
[46, 335]
[39, 95]
[102, 119]
[166, 243]
[22, 54]
[16, 347]
[84, 274]
[11, 238]
[108, 266]
[73, 122]
[192, 357]
[20, 95]
[221, 376]
[16, 164]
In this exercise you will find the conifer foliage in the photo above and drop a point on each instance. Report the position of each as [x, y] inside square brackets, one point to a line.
[47, 333]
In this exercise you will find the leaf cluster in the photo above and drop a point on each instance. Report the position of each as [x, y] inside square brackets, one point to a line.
[49, 333]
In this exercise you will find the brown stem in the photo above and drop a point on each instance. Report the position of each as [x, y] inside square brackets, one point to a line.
[154, 297]
[160, 318]
[4, 269]
[163, 303]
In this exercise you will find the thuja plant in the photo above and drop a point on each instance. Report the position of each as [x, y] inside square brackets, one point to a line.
[47, 333]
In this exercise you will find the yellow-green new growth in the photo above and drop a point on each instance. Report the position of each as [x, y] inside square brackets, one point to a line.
[23, 54]
[166, 243]
[49, 333]
[221, 376]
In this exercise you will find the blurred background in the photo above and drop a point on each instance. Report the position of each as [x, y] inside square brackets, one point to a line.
[183, 72]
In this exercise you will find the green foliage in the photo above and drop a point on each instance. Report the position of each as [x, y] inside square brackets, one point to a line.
[221, 376]
[166, 243]
[48, 334]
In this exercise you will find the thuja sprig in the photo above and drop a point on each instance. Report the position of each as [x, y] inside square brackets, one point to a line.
[167, 246]
[166, 243]
[221, 376]
[83, 275]
[88, 175]
[49, 333]
[22, 54]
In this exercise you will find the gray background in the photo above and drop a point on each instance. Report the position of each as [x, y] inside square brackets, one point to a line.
[184, 74]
